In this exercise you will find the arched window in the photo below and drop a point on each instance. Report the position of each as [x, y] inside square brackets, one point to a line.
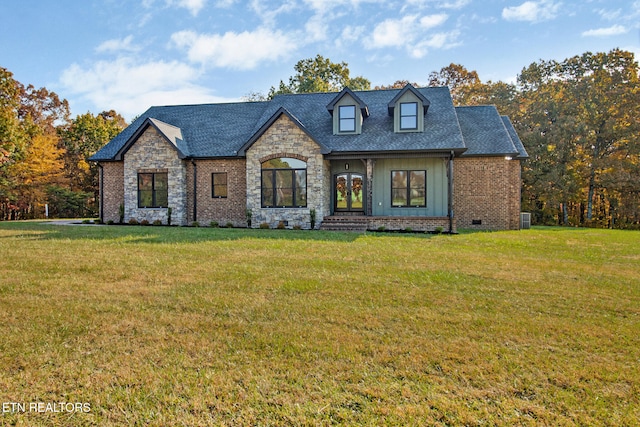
[284, 183]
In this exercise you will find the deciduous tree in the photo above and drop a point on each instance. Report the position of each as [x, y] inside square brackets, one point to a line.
[41, 168]
[459, 80]
[319, 74]
[398, 84]
[581, 124]
[85, 135]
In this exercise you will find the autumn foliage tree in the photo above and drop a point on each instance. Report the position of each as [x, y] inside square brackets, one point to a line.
[44, 155]
[581, 123]
[31, 158]
[41, 168]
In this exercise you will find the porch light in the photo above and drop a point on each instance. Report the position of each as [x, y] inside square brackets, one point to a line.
[346, 166]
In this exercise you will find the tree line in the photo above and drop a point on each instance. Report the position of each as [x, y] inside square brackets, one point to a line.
[579, 120]
[44, 153]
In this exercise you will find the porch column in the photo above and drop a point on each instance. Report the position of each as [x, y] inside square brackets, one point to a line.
[370, 163]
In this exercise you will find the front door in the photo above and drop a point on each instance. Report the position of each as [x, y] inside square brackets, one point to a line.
[349, 192]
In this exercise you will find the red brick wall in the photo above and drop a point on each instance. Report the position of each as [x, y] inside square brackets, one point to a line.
[414, 223]
[231, 209]
[112, 188]
[486, 189]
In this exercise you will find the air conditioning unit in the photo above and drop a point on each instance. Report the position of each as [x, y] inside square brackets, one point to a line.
[525, 220]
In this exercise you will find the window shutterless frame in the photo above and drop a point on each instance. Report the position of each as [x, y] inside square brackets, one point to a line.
[408, 188]
[347, 118]
[219, 189]
[284, 186]
[153, 190]
[408, 115]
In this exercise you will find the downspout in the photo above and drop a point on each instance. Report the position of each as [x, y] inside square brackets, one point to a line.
[101, 192]
[450, 193]
[195, 190]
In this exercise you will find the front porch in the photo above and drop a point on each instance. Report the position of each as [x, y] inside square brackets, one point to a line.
[389, 223]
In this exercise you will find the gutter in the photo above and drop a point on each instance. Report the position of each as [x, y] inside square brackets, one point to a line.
[195, 190]
[101, 192]
[450, 193]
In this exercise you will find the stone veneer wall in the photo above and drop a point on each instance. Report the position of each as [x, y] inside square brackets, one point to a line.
[285, 139]
[222, 210]
[486, 189]
[112, 188]
[153, 153]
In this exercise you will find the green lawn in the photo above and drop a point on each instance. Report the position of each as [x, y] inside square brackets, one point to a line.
[197, 326]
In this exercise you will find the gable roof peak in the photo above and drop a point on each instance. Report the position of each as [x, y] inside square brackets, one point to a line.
[346, 91]
[169, 131]
[172, 134]
[409, 88]
[266, 125]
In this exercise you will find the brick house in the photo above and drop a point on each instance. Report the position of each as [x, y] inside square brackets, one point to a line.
[403, 158]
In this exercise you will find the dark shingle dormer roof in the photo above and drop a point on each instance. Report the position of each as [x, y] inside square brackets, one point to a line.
[364, 109]
[484, 132]
[408, 88]
[441, 130]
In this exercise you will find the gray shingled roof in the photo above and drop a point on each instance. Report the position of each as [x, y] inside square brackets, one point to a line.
[515, 138]
[484, 132]
[441, 130]
[221, 130]
[208, 130]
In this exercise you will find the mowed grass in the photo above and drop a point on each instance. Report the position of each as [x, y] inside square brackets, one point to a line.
[193, 326]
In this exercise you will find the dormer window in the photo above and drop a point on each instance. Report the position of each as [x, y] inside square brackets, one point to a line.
[348, 113]
[408, 115]
[408, 109]
[347, 118]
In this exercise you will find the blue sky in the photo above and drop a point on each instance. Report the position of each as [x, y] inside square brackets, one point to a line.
[128, 55]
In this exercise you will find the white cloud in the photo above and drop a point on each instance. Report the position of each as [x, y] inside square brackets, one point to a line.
[441, 4]
[431, 21]
[241, 51]
[327, 5]
[391, 32]
[532, 11]
[455, 4]
[349, 36]
[483, 19]
[404, 31]
[268, 13]
[316, 28]
[352, 34]
[130, 87]
[193, 6]
[118, 45]
[435, 41]
[225, 4]
[614, 30]
[610, 15]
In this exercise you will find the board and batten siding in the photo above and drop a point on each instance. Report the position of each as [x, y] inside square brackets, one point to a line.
[436, 186]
